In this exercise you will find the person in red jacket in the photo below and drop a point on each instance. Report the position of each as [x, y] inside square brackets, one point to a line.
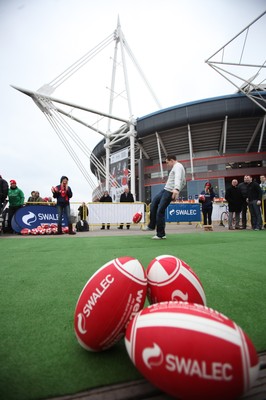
[63, 193]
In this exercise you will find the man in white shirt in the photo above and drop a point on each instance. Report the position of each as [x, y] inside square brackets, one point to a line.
[175, 183]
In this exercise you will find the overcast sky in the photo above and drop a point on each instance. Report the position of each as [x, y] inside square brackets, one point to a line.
[39, 39]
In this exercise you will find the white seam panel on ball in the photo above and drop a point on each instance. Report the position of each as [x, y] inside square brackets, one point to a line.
[129, 275]
[190, 322]
[194, 281]
[245, 362]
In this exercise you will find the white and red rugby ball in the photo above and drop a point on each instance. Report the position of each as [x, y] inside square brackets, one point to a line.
[25, 231]
[137, 217]
[192, 352]
[171, 279]
[107, 303]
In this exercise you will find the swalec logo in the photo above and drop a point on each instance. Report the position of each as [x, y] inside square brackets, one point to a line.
[152, 356]
[29, 218]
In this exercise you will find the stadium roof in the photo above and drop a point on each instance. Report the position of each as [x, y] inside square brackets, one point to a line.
[225, 124]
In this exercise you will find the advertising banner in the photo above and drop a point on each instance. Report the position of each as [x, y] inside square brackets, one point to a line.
[181, 212]
[34, 216]
[114, 213]
[119, 171]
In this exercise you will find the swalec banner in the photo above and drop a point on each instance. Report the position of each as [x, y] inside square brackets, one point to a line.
[34, 216]
[181, 212]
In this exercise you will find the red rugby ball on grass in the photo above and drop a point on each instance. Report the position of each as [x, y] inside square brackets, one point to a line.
[170, 278]
[109, 300]
[192, 352]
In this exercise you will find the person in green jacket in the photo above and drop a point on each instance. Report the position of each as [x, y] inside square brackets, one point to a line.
[16, 201]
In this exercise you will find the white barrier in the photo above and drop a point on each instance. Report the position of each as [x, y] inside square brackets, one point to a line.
[114, 213]
[217, 210]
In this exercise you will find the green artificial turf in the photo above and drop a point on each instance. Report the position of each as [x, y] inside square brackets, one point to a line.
[41, 279]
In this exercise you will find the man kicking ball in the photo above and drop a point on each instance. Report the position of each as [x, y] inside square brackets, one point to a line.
[175, 183]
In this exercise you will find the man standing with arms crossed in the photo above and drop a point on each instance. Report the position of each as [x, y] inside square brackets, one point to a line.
[175, 183]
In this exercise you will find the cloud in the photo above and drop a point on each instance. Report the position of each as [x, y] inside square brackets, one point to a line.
[170, 39]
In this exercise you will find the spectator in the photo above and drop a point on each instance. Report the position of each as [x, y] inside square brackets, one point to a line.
[254, 196]
[234, 198]
[83, 212]
[38, 199]
[3, 192]
[263, 188]
[126, 197]
[106, 198]
[206, 199]
[16, 201]
[63, 193]
[243, 187]
[175, 183]
[31, 199]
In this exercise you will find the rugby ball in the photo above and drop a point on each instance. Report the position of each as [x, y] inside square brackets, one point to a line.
[201, 198]
[137, 217]
[171, 279]
[109, 300]
[190, 351]
[25, 231]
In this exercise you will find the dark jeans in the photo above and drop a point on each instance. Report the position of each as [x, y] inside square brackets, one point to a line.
[255, 213]
[207, 216]
[157, 211]
[61, 210]
[2, 203]
[244, 214]
[263, 206]
[11, 212]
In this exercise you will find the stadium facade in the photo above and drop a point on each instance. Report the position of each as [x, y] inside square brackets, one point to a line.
[216, 139]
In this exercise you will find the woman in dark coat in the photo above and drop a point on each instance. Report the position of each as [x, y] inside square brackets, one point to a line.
[234, 198]
[206, 199]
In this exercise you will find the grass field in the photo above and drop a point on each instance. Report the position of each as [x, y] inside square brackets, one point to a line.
[41, 279]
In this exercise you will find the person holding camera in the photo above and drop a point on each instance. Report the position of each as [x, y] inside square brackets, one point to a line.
[63, 193]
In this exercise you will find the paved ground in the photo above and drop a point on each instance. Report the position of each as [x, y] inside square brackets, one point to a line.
[135, 230]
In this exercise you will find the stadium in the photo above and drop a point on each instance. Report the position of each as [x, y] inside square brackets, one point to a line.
[216, 139]
[42, 344]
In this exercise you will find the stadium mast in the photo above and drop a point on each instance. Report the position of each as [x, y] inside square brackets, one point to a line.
[48, 105]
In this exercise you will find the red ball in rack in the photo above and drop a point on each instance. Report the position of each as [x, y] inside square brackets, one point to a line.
[25, 231]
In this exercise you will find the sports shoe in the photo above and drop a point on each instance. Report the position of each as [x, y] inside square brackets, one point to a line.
[147, 228]
[158, 237]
